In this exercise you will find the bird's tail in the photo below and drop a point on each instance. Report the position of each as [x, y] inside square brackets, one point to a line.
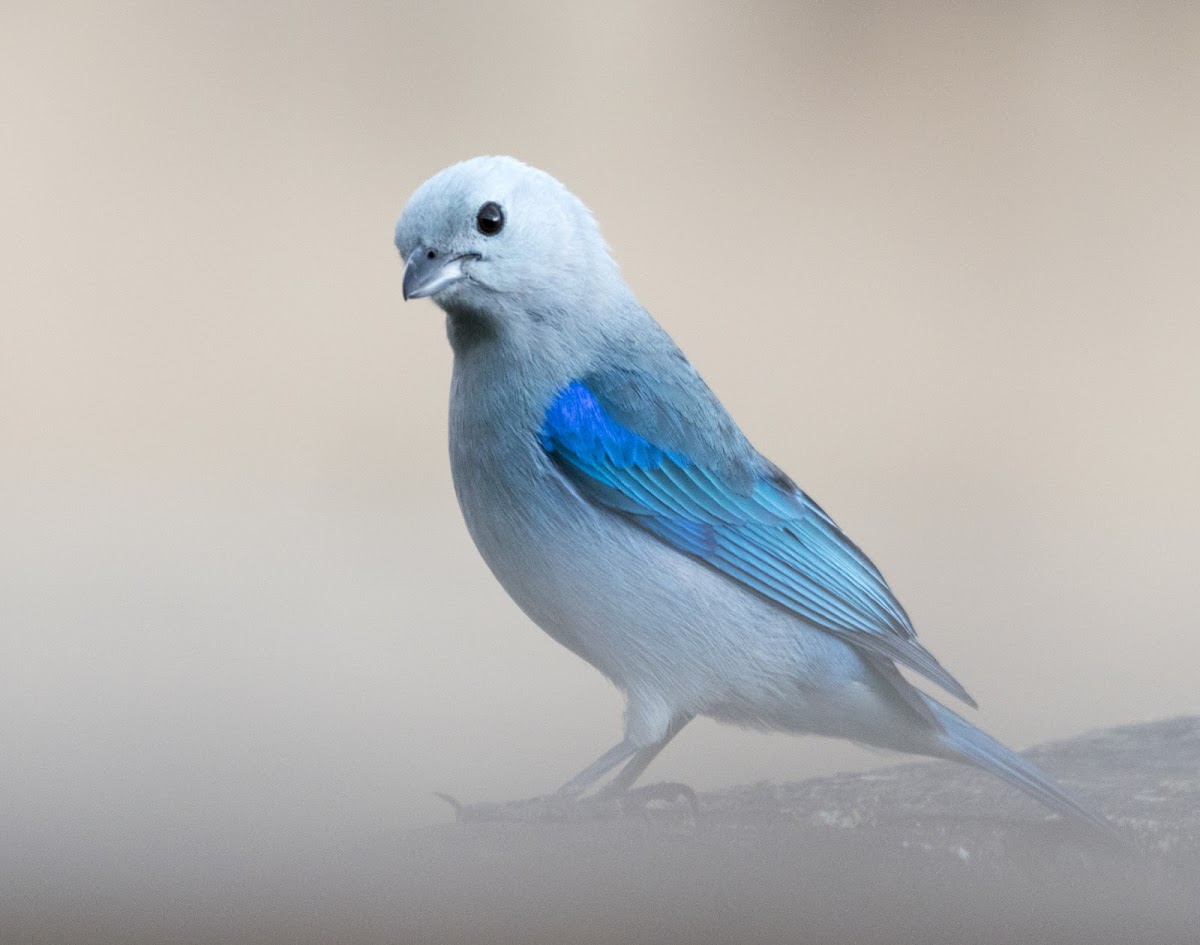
[965, 742]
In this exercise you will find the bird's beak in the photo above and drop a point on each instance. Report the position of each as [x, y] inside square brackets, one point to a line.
[428, 271]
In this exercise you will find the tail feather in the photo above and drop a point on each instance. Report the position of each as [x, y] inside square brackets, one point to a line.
[967, 743]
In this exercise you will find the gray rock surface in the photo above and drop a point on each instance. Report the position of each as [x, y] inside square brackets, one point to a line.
[923, 852]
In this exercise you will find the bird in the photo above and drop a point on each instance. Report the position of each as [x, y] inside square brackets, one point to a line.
[624, 511]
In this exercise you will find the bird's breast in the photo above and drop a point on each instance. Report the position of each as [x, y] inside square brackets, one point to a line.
[649, 618]
[527, 522]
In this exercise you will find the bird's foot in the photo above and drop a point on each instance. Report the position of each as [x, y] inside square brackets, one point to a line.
[656, 801]
[550, 809]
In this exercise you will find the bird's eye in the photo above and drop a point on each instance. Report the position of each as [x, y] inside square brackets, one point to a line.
[490, 219]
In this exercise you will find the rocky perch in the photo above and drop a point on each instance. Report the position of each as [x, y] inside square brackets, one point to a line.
[926, 852]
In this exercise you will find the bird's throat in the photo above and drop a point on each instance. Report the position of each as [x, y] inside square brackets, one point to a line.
[467, 328]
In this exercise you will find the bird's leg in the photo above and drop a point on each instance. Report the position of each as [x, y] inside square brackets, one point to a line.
[558, 806]
[670, 792]
[641, 760]
[561, 805]
[621, 751]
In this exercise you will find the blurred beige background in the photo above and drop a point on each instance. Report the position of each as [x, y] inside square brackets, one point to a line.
[939, 260]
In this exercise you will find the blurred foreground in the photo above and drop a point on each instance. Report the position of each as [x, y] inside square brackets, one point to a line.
[924, 852]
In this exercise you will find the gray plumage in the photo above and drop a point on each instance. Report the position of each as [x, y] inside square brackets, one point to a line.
[623, 510]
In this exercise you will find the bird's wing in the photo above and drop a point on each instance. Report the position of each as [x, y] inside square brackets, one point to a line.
[763, 533]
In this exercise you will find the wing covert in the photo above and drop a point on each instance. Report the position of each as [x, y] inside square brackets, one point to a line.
[771, 538]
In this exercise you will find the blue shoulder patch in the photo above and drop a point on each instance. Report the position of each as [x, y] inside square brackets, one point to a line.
[575, 424]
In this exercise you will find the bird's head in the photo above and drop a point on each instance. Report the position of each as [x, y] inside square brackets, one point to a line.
[502, 241]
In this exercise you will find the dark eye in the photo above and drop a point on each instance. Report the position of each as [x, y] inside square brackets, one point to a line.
[490, 219]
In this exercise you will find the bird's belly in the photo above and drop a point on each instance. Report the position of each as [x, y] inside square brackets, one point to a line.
[664, 627]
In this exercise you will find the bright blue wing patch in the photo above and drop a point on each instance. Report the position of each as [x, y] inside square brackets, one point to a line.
[773, 539]
[577, 424]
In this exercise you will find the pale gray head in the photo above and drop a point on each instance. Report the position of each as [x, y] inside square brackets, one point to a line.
[505, 247]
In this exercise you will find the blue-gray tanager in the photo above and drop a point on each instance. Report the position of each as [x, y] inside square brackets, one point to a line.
[624, 511]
